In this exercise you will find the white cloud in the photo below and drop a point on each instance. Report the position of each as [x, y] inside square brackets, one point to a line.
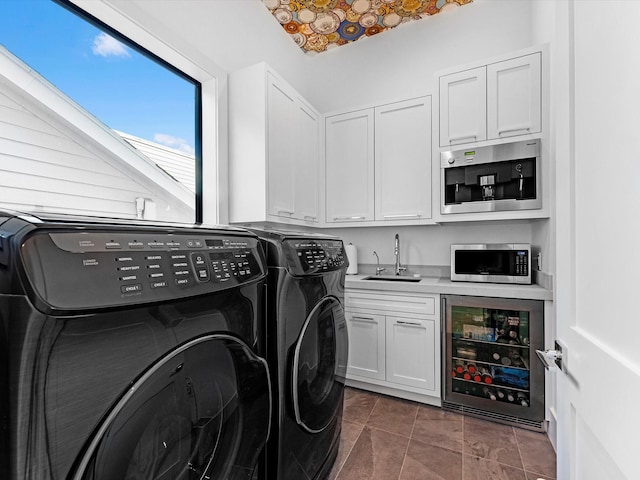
[107, 46]
[174, 142]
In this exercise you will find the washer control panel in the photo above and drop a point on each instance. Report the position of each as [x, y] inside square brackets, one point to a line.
[309, 256]
[72, 270]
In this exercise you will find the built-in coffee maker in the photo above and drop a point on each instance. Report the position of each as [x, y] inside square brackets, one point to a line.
[492, 178]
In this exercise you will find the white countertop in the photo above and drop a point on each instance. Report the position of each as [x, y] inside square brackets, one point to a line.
[446, 286]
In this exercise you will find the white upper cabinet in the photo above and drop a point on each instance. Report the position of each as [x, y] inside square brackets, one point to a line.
[281, 157]
[349, 167]
[273, 150]
[378, 164]
[403, 160]
[463, 107]
[306, 175]
[499, 100]
[514, 97]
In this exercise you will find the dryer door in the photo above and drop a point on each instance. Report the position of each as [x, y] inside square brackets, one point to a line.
[202, 411]
[320, 366]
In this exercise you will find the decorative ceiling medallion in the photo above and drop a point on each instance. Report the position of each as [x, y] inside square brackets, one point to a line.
[317, 25]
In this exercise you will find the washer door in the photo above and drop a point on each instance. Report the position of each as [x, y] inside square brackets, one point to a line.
[320, 366]
[202, 411]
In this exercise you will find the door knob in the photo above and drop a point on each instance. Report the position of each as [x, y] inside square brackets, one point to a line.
[551, 359]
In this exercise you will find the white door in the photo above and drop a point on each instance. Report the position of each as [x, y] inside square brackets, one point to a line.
[306, 164]
[280, 116]
[597, 98]
[514, 97]
[366, 345]
[403, 160]
[411, 353]
[349, 166]
[463, 107]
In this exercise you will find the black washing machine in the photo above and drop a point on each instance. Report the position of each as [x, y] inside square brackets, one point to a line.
[307, 349]
[129, 352]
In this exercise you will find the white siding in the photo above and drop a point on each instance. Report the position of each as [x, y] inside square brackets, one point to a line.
[47, 164]
[179, 165]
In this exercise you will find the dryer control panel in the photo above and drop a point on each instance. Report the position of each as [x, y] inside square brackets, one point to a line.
[308, 256]
[78, 270]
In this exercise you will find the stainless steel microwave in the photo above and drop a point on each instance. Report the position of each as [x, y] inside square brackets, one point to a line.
[491, 263]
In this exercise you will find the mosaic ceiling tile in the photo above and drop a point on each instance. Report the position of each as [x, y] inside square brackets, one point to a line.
[317, 25]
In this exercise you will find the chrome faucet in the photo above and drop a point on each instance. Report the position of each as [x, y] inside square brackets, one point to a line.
[379, 269]
[396, 252]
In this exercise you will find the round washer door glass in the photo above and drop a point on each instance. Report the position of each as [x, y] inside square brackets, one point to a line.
[201, 412]
[320, 366]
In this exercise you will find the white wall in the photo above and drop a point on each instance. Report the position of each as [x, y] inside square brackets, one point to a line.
[428, 245]
[401, 62]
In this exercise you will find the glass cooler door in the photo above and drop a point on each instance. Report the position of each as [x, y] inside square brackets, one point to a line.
[490, 366]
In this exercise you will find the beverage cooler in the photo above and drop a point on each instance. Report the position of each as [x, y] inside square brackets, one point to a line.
[490, 366]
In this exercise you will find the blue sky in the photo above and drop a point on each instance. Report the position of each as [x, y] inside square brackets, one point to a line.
[119, 86]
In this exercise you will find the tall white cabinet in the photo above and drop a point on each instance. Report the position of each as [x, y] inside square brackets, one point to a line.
[491, 102]
[378, 164]
[273, 149]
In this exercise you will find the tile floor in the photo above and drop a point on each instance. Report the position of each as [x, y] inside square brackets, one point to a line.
[384, 438]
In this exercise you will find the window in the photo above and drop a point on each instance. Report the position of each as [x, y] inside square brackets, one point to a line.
[91, 123]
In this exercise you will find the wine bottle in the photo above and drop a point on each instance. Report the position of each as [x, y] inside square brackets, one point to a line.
[510, 397]
[490, 393]
[501, 394]
[523, 399]
[486, 376]
[472, 368]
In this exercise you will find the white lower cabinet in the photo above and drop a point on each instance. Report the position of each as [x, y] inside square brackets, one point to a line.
[366, 345]
[410, 352]
[394, 343]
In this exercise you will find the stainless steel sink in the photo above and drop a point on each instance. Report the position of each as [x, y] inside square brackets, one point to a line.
[392, 278]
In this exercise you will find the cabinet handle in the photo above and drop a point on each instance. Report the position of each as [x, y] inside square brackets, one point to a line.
[411, 324]
[406, 215]
[457, 139]
[364, 319]
[309, 217]
[349, 218]
[286, 212]
[511, 130]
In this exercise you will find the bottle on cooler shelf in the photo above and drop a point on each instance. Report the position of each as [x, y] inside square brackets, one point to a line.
[490, 393]
[523, 399]
[486, 376]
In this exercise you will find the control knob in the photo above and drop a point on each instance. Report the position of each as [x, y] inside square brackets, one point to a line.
[451, 160]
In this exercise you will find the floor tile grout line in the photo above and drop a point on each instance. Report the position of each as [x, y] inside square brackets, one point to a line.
[349, 452]
[413, 425]
[377, 398]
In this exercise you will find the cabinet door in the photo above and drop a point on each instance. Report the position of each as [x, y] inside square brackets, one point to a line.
[349, 167]
[281, 112]
[306, 164]
[463, 107]
[366, 345]
[411, 352]
[514, 97]
[403, 160]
